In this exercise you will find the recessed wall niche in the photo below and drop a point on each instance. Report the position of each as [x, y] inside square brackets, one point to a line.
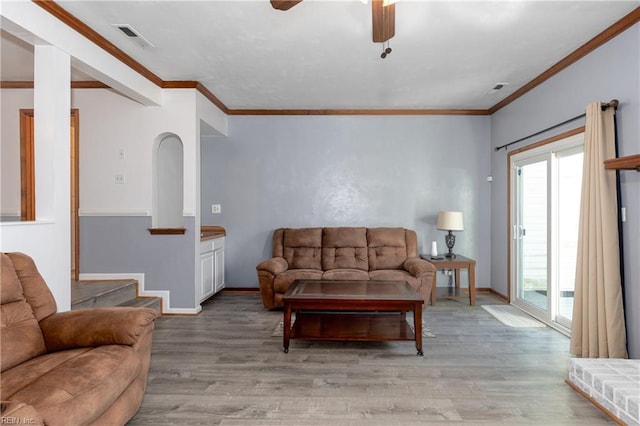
[168, 182]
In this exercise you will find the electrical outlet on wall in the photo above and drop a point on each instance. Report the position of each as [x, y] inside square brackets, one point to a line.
[120, 179]
[216, 208]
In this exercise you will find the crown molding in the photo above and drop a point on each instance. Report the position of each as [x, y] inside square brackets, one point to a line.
[74, 85]
[16, 84]
[89, 85]
[358, 112]
[63, 15]
[618, 27]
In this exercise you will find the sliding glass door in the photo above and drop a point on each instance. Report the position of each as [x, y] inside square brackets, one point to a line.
[545, 202]
[531, 232]
[567, 213]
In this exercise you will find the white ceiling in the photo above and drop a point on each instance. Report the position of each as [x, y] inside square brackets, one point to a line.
[320, 54]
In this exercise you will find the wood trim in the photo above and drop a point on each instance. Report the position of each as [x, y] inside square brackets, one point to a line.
[547, 141]
[508, 222]
[63, 15]
[75, 189]
[27, 169]
[212, 98]
[74, 85]
[89, 85]
[630, 162]
[594, 402]
[358, 112]
[16, 84]
[240, 290]
[543, 142]
[167, 231]
[179, 84]
[618, 27]
[493, 292]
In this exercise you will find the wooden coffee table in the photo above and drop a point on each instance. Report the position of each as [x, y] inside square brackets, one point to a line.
[352, 311]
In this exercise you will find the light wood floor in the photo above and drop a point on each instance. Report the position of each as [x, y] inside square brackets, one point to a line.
[223, 367]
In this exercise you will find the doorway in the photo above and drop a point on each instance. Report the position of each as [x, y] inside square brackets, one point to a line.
[27, 179]
[545, 186]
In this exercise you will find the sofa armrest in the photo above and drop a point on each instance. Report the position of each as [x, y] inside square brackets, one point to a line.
[95, 327]
[417, 267]
[275, 265]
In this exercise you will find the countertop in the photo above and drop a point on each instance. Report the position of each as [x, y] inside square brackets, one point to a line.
[209, 232]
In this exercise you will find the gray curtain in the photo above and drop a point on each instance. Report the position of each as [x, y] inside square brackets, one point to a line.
[598, 328]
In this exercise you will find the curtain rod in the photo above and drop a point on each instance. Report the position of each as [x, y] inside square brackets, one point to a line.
[613, 104]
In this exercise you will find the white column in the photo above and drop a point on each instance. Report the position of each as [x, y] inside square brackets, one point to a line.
[52, 109]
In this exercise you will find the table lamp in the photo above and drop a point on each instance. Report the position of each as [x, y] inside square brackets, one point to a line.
[450, 221]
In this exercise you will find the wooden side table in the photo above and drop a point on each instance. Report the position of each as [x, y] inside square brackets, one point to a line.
[455, 263]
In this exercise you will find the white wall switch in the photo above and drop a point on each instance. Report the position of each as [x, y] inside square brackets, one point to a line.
[122, 154]
[120, 179]
[216, 208]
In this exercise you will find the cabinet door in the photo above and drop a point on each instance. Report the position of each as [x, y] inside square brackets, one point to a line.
[207, 274]
[219, 269]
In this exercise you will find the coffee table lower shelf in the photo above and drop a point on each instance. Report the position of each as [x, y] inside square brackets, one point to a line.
[379, 327]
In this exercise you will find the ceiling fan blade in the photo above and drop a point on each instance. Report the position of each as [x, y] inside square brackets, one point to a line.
[384, 20]
[284, 4]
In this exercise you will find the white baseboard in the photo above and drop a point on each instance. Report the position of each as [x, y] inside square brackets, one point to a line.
[165, 295]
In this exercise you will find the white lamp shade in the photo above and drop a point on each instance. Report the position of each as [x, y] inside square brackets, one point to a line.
[450, 221]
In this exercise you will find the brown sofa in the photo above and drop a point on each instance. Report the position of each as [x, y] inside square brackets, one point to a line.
[342, 254]
[86, 367]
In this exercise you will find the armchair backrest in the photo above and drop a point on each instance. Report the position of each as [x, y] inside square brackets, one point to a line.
[25, 300]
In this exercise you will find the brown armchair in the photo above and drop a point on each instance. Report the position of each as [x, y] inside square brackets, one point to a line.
[79, 367]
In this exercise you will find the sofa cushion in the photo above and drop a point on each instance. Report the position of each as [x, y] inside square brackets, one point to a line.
[20, 335]
[282, 282]
[344, 248]
[394, 275]
[302, 248]
[15, 379]
[79, 389]
[345, 274]
[387, 248]
[16, 412]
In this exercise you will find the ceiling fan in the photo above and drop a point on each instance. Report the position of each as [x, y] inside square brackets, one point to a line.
[383, 15]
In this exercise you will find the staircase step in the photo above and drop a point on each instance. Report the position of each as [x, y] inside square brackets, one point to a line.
[154, 303]
[94, 294]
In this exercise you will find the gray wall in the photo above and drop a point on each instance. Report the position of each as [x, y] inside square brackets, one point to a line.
[122, 244]
[610, 72]
[302, 171]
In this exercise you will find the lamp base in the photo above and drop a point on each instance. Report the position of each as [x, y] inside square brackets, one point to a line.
[450, 241]
[450, 255]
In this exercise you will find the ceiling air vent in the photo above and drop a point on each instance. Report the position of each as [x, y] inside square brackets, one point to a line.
[495, 89]
[133, 35]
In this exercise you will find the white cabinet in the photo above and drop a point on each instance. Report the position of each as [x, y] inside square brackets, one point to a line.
[218, 269]
[211, 267]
